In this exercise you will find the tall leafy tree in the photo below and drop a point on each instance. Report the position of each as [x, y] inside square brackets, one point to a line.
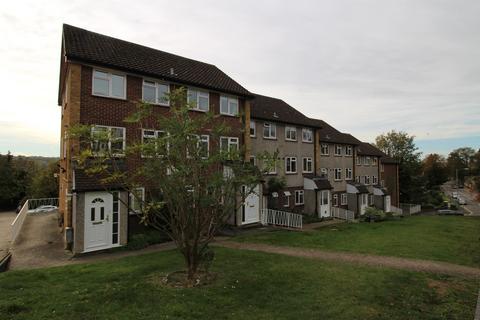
[434, 170]
[459, 162]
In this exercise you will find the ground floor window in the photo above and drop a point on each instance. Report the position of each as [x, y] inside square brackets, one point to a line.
[344, 199]
[299, 197]
[287, 198]
[115, 212]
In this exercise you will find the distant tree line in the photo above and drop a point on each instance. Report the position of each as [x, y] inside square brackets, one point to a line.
[26, 177]
[421, 178]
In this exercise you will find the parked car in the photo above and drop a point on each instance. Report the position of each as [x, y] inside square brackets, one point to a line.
[462, 201]
[46, 208]
[455, 195]
[448, 212]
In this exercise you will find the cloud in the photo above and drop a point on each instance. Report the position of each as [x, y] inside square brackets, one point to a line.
[364, 66]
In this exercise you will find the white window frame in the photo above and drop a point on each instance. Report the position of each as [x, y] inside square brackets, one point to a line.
[359, 160]
[335, 200]
[156, 84]
[348, 173]
[132, 199]
[270, 126]
[109, 79]
[196, 104]
[374, 180]
[304, 130]
[337, 148]
[374, 161]
[230, 142]
[288, 133]
[339, 171]
[366, 161]
[274, 168]
[382, 167]
[109, 128]
[204, 138]
[366, 180]
[348, 151]
[253, 126]
[288, 163]
[322, 147]
[307, 162]
[155, 136]
[299, 194]
[287, 202]
[343, 199]
[229, 100]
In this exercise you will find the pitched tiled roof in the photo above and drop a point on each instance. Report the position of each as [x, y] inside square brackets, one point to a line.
[330, 134]
[366, 149]
[94, 48]
[273, 109]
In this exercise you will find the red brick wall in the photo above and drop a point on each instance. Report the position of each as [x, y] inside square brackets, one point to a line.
[390, 178]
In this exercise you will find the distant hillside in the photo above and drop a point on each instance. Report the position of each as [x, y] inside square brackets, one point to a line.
[38, 160]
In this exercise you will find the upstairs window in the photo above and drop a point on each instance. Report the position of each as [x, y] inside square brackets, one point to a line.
[107, 84]
[269, 130]
[290, 133]
[348, 151]
[290, 165]
[338, 174]
[324, 149]
[253, 129]
[374, 180]
[307, 135]
[108, 140]
[359, 160]
[338, 150]
[307, 165]
[198, 100]
[366, 161]
[228, 106]
[348, 174]
[374, 161]
[229, 144]
[299, 197]
[156, 93]
[151, 143]
[344, 199]
[367, 180]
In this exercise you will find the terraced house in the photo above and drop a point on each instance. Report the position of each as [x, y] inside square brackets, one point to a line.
[101, 81]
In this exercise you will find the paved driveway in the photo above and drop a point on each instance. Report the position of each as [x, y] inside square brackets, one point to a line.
[6, 218]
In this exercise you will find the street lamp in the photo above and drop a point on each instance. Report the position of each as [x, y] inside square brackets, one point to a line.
[456, 175]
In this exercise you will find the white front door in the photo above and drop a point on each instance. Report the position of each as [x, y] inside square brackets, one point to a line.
[363, 202]
[323, 199]
[98, 221]
[388, 204]
[250, 209]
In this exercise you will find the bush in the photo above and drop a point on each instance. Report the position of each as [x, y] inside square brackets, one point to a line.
[145, 239]
[373, 214]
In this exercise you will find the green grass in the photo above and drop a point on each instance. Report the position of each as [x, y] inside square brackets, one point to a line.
[450, 239]
[250, 285]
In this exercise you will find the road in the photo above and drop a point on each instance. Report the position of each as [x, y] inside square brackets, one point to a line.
[472, 207]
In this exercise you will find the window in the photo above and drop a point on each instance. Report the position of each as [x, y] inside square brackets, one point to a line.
[359, 160]
[348, 174]
[115, 220]
[252, 160]
[382, 167]
[253, 130]
[324, 149]
[335, 200]
[269, 130]
[374, 180]
[299, 197]
[154, 92]
[287, 198]
[229, 144]
[290, 133]
[344, 199]
[203, 145]
[290, 165]
[338, 150]
[348, 151]
[357, 179]
[324, 172]
[137, 196]
[374, 161]
[108, 84]
[366, 161]
[307, 135]
[307, 165]
[338, 174]
[228, 106]
[108, 139]
[151, 143]
[199, 100]
[367, 180]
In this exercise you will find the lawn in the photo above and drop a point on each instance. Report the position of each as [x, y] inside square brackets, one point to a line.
[442, 238]
[250, 285]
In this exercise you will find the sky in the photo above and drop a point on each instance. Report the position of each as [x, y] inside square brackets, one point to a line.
[364, 66]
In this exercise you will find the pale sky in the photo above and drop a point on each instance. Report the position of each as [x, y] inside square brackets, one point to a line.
[366, 67]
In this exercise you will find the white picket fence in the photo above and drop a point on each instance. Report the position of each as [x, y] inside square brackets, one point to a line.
[409, 208]
[17, 224]
[35, 203]
[396, 210]
[343, 214]
[281, 218]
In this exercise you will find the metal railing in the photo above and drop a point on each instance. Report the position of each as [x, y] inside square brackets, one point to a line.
[395, 210]
[35, 203]
[409, 208]
[17, 224]
[343, 214]
[281, 218]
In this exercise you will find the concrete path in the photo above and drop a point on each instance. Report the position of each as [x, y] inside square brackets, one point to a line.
[364, 259]
[6, 219]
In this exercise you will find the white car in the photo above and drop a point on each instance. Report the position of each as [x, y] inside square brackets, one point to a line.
[47, 208]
